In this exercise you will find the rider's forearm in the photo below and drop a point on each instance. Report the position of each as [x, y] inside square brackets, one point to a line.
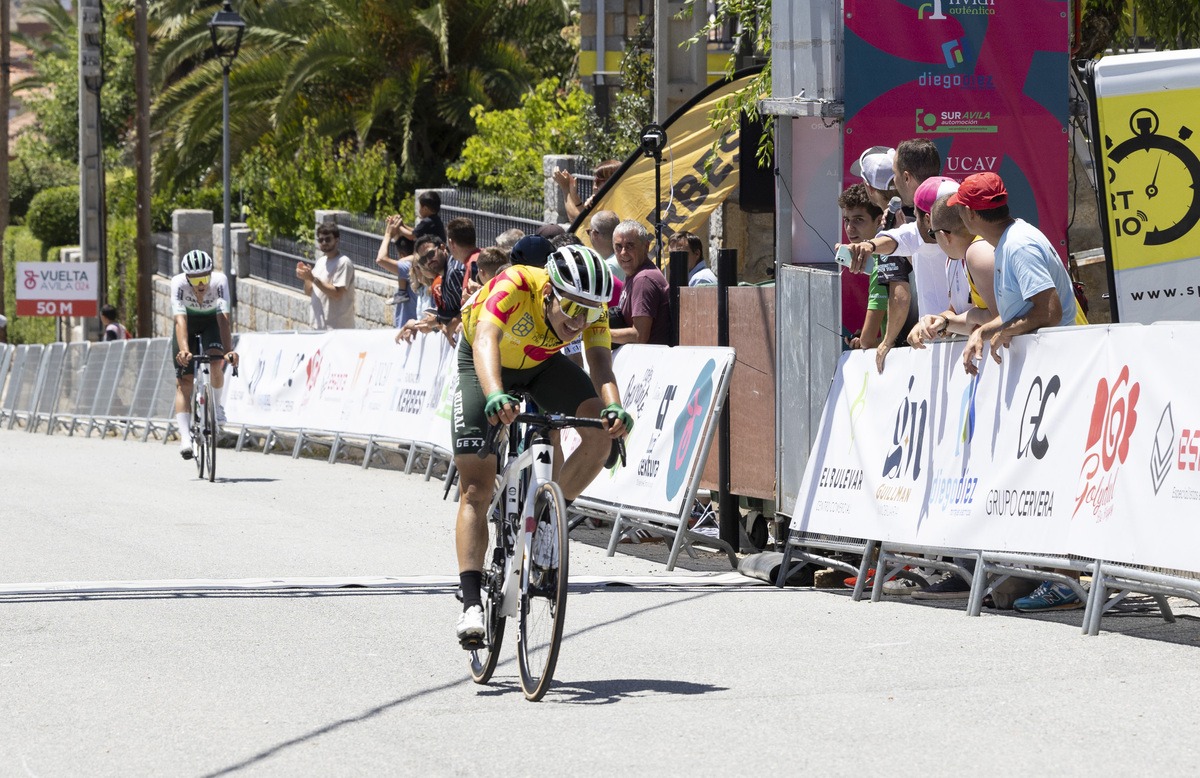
[181, 333]
[226, 336]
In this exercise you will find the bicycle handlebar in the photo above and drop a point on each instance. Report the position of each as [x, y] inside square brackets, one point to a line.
[554, 421]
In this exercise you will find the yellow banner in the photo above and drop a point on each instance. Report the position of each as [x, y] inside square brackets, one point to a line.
[1151, 158]
[689, 145]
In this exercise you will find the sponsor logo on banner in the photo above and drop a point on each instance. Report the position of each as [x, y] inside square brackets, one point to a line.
[968, 165]
[1164, 449]
[689, 428]
[1187, 458]
[908, 438]
[953, 122]
[841, 478]
[1022, 503]
[956, 81]
[1114, 417]
[1032, 441]
[636, 390]
[938, 9]
[957, 52]
[648, 466]
[856, 409]
[411, 401]
[966, 417]
[312, 374]
[953, 494]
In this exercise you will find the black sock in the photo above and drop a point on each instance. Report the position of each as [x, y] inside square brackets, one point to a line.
[469, 583]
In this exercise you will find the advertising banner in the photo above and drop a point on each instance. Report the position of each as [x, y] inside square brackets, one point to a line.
[1082, 441]
[352, 381]
[1147, 111]
[673, 395]
[985, 80]
[631, 190]
[57, 288]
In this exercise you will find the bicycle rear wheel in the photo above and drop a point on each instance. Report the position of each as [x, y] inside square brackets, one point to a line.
[197, 429]
[210, 431]
[543, 603]
[483, 661]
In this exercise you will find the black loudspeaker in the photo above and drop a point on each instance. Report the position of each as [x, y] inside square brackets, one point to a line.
[758, 183]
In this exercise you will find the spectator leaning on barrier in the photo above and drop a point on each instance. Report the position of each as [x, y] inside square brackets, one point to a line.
[698, 272]
[1032, 291]
[645, 299]
[460, 240]
[329, 282]
[448, 276]
[404, 299]
[600, 233]
[888, 288]
[978, 259]
[113, 329]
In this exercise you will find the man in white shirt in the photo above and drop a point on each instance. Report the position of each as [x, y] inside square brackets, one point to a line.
[330, 282]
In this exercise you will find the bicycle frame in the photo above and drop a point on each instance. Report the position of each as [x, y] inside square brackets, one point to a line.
[538, 460]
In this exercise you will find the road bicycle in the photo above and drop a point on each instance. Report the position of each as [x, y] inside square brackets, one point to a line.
[525, 569]
[204, 427]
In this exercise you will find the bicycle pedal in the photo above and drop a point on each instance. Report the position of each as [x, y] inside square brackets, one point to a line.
[473, 643]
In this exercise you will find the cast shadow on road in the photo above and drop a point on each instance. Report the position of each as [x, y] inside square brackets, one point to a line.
[599, 692]
[247, 480]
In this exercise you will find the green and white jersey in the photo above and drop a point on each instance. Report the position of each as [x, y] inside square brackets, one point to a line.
[185, 301]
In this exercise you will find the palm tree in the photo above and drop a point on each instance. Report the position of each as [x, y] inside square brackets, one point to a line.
[404, 72]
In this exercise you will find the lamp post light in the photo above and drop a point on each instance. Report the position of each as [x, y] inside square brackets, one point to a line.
[226, 29]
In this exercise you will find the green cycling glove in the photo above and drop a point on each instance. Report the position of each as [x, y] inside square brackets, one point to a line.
[497, 400]
[622, 414]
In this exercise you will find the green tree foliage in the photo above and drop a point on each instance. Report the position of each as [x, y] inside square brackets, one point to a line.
[20, 246]
[633, 108]
[284, 187]
[505, 154]
[53, 216]
[402, 72]
[56, 71]
[32, 170]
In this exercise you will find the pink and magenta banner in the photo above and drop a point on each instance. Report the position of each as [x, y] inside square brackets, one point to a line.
[985, 80]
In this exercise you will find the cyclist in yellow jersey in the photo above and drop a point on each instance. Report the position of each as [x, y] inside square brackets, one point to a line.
[513, 334]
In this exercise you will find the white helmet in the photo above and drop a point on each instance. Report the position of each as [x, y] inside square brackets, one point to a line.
[579, 271]
[196, 262]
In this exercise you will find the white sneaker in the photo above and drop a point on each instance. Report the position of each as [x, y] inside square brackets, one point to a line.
[220, 413]
[185, 449]
[470, 625]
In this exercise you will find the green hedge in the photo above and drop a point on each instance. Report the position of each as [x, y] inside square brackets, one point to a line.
[29, 175]
[53, 216]
[21, 246]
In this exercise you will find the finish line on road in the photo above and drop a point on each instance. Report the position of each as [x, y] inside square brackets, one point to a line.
[430, 582]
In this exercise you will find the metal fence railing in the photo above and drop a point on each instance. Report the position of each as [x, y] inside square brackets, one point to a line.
[360, 241]
[277, 263]
[492, 214]
[164, 255]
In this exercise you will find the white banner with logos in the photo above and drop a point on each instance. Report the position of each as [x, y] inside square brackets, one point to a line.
[358, 382]
[1084, 440]
[673, 394]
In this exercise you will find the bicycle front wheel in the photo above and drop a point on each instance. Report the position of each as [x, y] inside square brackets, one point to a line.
[483, 661]
[197, 428]
[543, 603]
[210, 432]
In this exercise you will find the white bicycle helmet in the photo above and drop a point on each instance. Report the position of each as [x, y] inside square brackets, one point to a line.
[196, 262]
[579, 271]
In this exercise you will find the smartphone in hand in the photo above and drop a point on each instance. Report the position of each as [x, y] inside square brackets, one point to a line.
[845, 258]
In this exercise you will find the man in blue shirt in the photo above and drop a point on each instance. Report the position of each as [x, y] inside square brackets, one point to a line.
[1032, 287]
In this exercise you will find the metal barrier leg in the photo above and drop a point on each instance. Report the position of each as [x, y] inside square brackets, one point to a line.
[299, 445]
[1165, 608]
[616, 535]
[270, 439]
[864, 569]
[781, 579]
[429, 465]
[978, 587]
[1095, 601]
[333, 449]
[241, 441]
[410, 458]
[368, 452]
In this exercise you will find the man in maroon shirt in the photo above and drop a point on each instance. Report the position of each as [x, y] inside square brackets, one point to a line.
[645, 299]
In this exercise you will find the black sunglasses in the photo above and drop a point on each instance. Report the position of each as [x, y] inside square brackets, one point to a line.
[325, 239]
[428, 255]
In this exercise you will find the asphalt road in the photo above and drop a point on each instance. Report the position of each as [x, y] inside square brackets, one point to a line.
[726, 679]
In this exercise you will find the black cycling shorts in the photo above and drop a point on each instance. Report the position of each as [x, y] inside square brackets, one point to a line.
[210, 332]
[557, 385]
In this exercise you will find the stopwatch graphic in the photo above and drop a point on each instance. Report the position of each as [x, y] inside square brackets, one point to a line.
[1154, 182]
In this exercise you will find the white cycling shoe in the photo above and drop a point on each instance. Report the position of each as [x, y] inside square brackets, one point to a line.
[185, 450]
[220, 414]
[470, 627]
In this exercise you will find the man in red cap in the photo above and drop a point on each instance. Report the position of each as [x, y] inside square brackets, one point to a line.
[1032, 287]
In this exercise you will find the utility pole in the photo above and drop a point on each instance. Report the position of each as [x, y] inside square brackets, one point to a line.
[145, 256]
[5, 86]
[91, 162]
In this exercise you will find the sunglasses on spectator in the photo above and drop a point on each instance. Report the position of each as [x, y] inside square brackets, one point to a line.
[428, 255]
[945, 232]
[325, 239]
[199, 280]
[573, 310]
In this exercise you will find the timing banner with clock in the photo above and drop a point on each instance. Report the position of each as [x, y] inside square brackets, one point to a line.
[1146, 120]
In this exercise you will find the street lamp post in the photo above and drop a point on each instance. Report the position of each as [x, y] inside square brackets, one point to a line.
[226, 29]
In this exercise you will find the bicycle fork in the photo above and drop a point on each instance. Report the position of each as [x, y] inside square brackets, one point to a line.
[521, 519]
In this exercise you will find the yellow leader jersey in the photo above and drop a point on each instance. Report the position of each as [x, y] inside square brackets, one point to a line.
[514, 302]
